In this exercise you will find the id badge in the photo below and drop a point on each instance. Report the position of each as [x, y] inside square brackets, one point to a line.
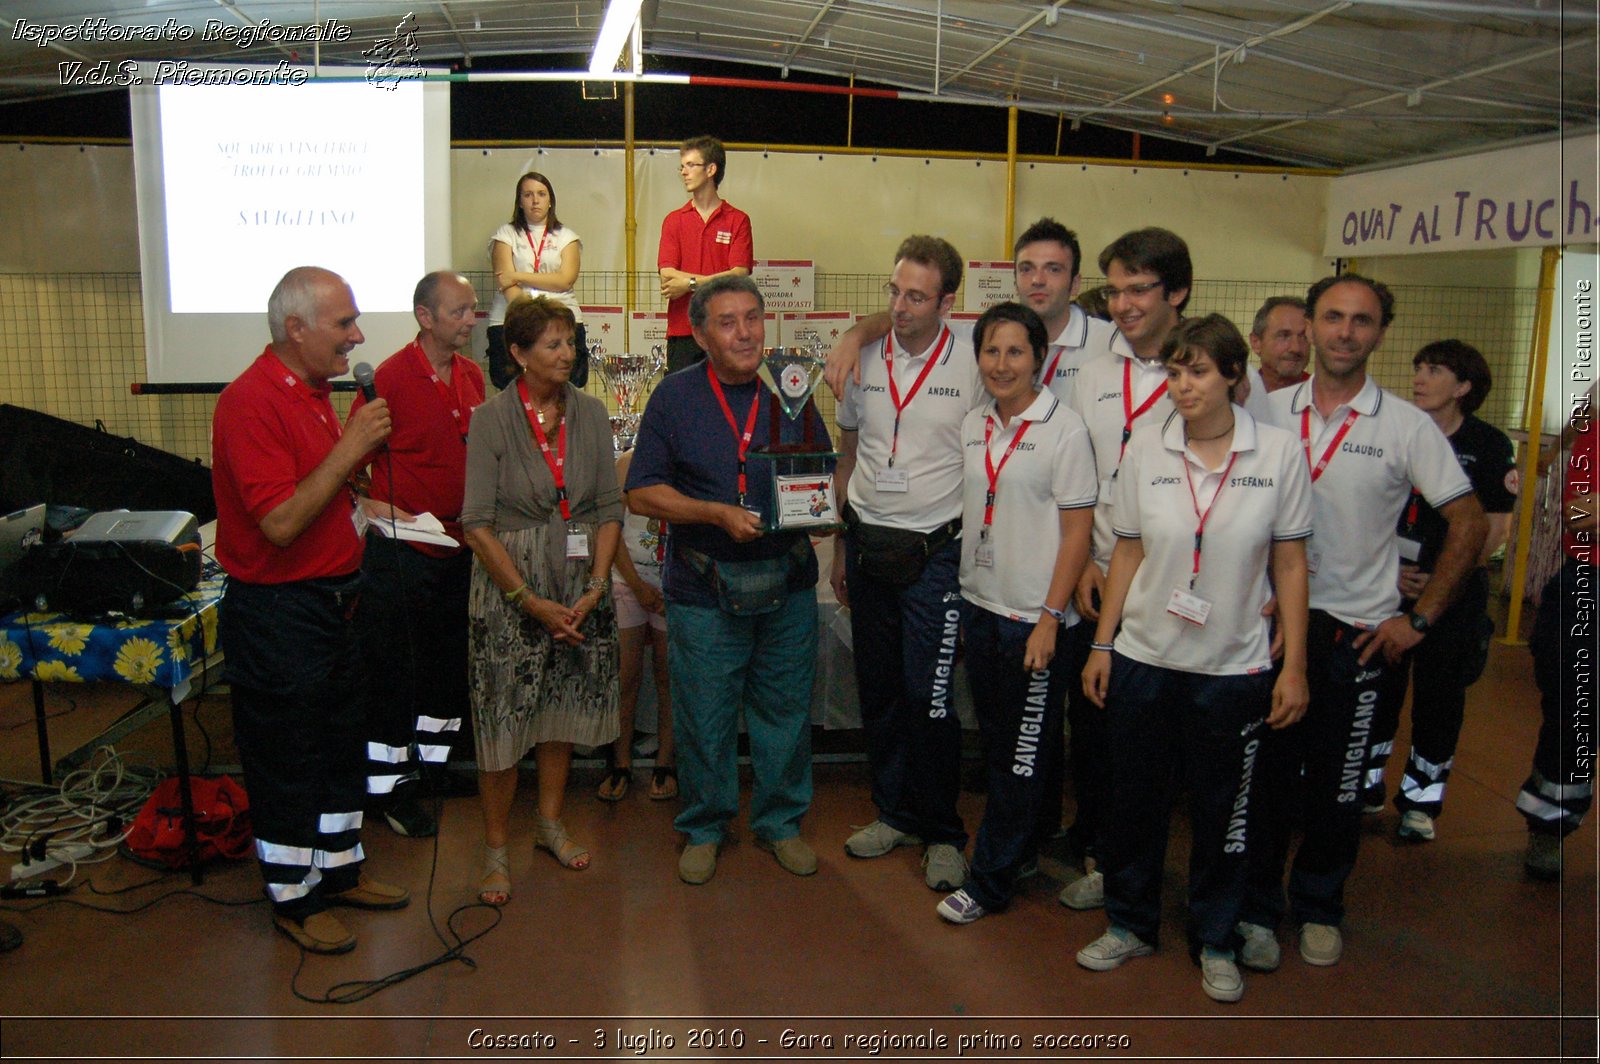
[1410, 549]
[984, 555]
[894, 480]
[1107, 486]
[1189, 606]
[358, 517]
[577, 544]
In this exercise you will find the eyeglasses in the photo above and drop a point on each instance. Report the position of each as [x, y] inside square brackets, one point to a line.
[916, 299]
[691, 166]
[1133, 291]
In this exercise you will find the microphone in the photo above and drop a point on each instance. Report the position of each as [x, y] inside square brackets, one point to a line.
[363, 375]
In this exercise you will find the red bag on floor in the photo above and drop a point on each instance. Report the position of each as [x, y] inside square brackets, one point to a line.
[221, 821]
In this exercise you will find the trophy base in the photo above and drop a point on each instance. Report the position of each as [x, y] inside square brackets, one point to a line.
[802, 490]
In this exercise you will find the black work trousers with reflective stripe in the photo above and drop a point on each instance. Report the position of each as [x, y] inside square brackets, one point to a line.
[1310, 775]
[413, 632]
[1160, 722]
[298, 717]
[1439, 670]
[1560, 789]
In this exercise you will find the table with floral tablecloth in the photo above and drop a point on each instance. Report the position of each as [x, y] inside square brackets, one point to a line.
[54, 647]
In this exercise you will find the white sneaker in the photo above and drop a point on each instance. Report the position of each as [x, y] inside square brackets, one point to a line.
[946, 868]
[1415, 824]
[877, 839]
[1259, 951]
[1321, 944]
[1112, 948]
[1219, 976]
[1085, 892]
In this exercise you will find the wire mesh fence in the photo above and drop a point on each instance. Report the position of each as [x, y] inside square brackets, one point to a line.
[72, 344]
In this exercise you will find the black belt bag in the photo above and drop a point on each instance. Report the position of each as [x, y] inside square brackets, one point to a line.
[750, 588]
[895, 555]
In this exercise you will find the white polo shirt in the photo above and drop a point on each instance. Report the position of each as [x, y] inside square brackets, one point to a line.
[1257, 402]
[1265, 498]
[929, 450]
[1080, 340]
[1051, 470]
[1390, 447]
[1097, 398]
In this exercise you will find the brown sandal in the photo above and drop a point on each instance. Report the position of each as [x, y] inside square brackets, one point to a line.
[495, 886]
[614, 788]
[552, 835]
[663, 783]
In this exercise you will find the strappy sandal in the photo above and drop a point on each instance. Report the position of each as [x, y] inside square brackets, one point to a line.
[614, 788]
[552, 835]
[495, 886]
[663, 783]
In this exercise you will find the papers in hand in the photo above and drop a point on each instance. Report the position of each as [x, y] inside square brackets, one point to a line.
[423, 528]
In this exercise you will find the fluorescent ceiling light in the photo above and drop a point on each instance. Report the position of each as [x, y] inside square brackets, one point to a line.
[621, 15]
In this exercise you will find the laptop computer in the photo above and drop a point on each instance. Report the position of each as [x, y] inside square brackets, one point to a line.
[19, 531]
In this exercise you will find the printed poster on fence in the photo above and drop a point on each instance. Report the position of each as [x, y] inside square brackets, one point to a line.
[820, 327]
[648, 330]
[787, 284]
[603, 327]
[988, 283]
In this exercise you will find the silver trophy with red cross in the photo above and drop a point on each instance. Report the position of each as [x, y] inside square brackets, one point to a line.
[802, 463]
[627, 377]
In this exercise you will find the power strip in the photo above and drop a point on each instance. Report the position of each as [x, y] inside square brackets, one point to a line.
[55, 857]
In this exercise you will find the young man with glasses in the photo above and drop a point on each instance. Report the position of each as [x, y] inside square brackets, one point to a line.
[707, 237]
[1148, 277]
[899, 566]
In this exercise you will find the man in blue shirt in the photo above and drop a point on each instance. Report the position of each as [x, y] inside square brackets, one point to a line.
[741, 601]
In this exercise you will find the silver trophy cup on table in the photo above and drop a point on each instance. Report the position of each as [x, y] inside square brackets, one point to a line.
[628, 378]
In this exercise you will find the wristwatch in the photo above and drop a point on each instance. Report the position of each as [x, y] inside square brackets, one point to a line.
[1419, 623]
[694, 282]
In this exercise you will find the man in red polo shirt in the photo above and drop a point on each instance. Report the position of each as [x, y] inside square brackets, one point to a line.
[289, 534]
[414, 602]
[705, 238]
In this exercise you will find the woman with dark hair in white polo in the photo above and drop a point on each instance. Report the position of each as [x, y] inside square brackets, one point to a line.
[1028, 493]
[1208, 506]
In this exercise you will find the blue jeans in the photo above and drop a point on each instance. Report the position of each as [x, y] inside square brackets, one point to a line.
[904, 640]
[1019, 719]
[765, 664]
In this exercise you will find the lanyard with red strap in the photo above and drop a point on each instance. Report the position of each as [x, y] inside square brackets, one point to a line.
[749, 424]
[538, 252]
[894, 389]
[451, 396]
[1200, 529]
[557, 461]
[1050, 370]
[1129, 414]
[1338, 437]
[993, 470]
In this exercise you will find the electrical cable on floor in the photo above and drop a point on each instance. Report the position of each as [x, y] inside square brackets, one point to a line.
[93, 806]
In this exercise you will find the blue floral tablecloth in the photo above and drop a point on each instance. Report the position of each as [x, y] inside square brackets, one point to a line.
[57, 648]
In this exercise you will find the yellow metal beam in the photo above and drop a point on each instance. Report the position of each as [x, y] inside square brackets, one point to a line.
[1011, 180]
[630, 214]
[1538, 358]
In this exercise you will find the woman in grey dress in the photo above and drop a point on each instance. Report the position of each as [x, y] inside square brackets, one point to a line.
[543, 515]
